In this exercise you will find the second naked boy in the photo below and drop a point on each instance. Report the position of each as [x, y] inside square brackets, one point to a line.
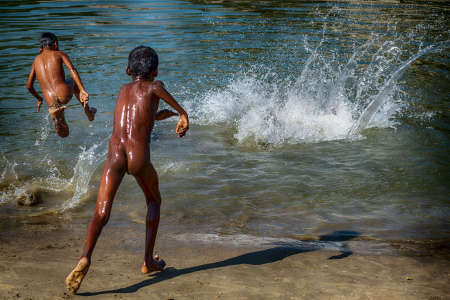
[48, 69]
[129, 152]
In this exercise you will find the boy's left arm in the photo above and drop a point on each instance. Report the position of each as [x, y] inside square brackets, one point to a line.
[84, 96]
[30, 87]
[183, 122]
[164, 114]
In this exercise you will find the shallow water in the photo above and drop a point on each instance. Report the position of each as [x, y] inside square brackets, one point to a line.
[307, 118]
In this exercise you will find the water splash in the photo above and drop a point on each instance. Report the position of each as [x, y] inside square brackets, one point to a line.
[8, 168]
[15, 180]
[381, 97]
[7, 176]
[330, 100]
[88, 161]
[45, 129]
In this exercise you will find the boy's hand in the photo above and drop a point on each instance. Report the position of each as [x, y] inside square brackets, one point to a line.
[84, 97]
[39, 103]
[182, 126]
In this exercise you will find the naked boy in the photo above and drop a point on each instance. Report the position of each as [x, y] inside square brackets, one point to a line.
[129, 152]
[48, 69]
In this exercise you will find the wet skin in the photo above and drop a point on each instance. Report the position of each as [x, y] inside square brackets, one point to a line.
[48, 69]
[129, 152]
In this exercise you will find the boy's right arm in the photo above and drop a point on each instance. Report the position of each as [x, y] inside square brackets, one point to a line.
[183, 123]
[30, 86]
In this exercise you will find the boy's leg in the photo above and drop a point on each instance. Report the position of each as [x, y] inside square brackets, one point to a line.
[148, 181]
[113, 173]
[89, 111]
[112, 176]
[59, 121]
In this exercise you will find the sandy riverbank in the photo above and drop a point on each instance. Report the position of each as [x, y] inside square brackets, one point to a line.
[36, 258]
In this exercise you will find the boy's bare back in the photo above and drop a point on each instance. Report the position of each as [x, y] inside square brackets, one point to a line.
[135, 111]
[134, 117]
[50, 73]
[48, 69]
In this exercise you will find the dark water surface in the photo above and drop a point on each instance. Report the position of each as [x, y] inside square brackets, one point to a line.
[307, 117]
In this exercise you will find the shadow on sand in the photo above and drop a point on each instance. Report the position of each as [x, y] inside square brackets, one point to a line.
[280, 251]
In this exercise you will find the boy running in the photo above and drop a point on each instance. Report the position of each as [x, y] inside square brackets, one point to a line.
[48, 69]
[129, 152]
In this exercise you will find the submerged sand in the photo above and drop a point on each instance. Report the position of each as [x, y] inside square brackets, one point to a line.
[36, 258]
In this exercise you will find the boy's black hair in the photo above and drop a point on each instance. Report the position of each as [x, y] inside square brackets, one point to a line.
[47, 39]
[142, 61]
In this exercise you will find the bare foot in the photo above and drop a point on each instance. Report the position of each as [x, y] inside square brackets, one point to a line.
[73, 281]
[91, 113]
[157, 264]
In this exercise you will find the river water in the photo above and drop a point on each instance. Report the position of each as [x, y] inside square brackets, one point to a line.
[306, 117]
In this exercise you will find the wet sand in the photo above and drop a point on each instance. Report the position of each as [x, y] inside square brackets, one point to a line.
[36, 258]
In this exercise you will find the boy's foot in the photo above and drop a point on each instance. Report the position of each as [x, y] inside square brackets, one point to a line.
[156, 265]
[91, 113]
[73, 281]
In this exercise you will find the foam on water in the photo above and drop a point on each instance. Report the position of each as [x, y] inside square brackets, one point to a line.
[250, 241]
[261, 111]
[167, 167]
[245, 240]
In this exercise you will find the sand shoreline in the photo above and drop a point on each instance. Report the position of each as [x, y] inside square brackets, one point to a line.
[35, 260]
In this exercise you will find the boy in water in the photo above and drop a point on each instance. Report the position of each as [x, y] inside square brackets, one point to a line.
[48, 69]
[129, 152]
